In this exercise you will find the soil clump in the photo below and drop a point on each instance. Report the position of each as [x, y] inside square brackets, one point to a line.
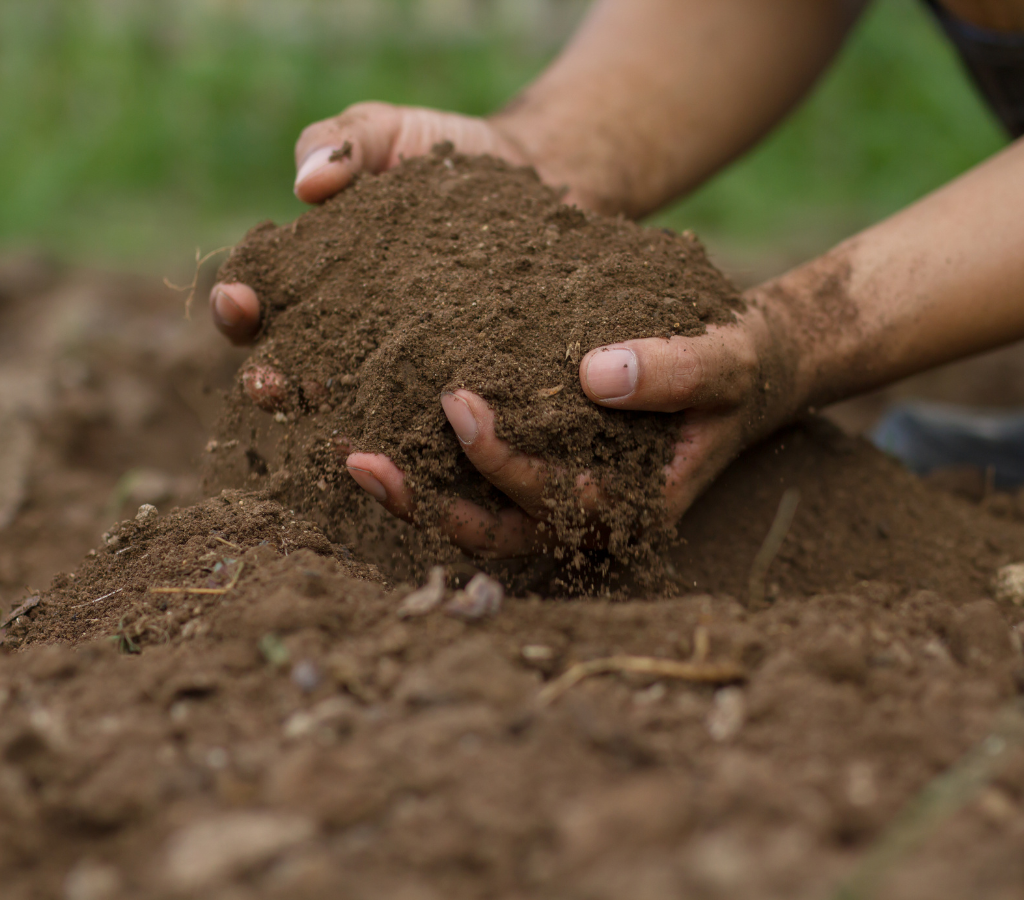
[454, 272]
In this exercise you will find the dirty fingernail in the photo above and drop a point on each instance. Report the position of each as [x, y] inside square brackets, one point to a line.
[226, 311]
[461, 417]
[314, 163]
[611, 374]
[369, 483]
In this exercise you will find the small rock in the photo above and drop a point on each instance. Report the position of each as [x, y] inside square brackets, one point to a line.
[481, 598]
[537, 653]
[207, 852]
[1008, 584]
[146, 512]
[328, 719]
[266, 387]
[425, 599]
[91, 880]
[306, 675]
[727, 714]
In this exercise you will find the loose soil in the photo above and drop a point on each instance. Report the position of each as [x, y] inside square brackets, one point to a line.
[284, 733]
[454, 272]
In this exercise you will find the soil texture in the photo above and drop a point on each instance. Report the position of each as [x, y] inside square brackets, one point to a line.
[454, 272]
[223, 701]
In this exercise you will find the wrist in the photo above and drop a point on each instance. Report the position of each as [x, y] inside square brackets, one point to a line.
[786, 384]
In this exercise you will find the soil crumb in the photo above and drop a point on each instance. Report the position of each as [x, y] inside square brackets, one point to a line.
[453, 272]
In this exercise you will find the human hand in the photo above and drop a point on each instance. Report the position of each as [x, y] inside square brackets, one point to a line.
[723, 379]
[366, 137]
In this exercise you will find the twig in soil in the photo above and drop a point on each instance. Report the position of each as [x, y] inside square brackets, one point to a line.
[941, 798]
[31, 603]
[230, 586]
[191, 287]
[771, 546]
[702, 673]
[97, 600]
[229, 543]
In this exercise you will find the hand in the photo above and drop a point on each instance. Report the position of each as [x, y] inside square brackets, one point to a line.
[366, 137]
[720, 378]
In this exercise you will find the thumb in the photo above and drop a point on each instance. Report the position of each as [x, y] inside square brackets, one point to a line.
[711, 370]
[329, 153]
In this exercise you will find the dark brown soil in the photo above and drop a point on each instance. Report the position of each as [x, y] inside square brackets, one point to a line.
[452, 272]
[286, 734]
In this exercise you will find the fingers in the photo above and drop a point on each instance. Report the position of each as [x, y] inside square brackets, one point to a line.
[712, 370]
[236, 311]
[705, 448]
[372, 137]
[330, 152]
[502, 535]
[518, 476]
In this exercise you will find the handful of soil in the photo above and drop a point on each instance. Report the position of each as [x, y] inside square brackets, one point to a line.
[455, 272]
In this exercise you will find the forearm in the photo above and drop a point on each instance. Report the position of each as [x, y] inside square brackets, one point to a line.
[652, 96]
[938, 281]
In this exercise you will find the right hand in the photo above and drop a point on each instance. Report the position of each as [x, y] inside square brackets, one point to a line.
[366, 137]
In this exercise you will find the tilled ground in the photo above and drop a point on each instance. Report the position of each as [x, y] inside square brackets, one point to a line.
[221, 702]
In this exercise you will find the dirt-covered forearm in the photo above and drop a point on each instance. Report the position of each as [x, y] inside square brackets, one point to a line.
[941, 280]
[652, 96]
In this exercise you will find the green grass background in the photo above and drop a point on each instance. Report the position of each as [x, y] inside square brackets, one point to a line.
[130, 132]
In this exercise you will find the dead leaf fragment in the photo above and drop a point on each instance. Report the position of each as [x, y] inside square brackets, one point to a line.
[544, 393]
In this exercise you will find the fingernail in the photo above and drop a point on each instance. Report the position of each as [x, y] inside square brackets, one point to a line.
[611, 374]
[369, 483]
[461, 417]
[225, 310]
[314, 163]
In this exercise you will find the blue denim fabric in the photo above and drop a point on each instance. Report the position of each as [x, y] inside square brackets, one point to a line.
[995, 60]
[927, 436]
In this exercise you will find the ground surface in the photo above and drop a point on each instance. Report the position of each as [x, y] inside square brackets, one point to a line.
[287, 734]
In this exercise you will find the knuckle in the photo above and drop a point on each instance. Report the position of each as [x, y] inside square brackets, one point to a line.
[684, 374]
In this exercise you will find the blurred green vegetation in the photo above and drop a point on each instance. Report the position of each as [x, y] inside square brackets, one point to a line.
[131, 132]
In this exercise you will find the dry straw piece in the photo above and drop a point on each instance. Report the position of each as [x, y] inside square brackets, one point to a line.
[698, 672]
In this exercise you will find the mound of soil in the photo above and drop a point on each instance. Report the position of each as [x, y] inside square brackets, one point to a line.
[107, 398]
[453, 272]
[222, 702]
[286, 735]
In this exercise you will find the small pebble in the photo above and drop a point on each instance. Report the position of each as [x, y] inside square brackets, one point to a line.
[146, 512]
[425, 599]
[91, 880]
[727, 714]
[306, 675]
[537, 653]
[481, 598]
[1009, 584]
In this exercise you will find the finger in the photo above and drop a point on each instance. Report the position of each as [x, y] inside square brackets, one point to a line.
[705, 448]
[384, 481]
[236, 311]
[329, 153]
[518, 476]
[504, 534]
[709, 371]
